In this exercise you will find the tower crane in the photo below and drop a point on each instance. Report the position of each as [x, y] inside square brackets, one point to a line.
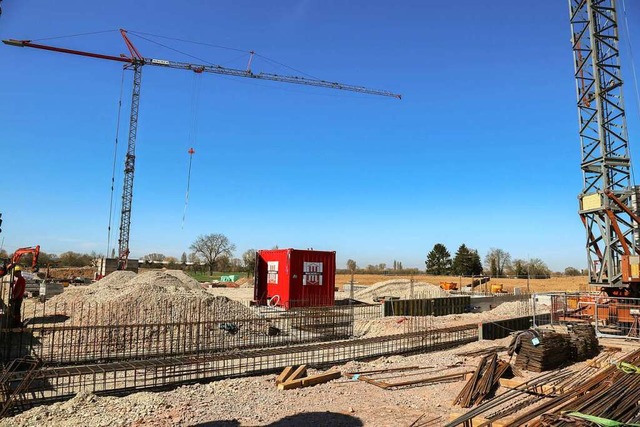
[135, 61]
[609, 204]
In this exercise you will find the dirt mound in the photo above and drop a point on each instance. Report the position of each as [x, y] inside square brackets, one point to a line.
[245, 283]
[70, 272]
[400, 288]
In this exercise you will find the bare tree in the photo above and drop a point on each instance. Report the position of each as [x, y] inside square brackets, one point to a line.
[249, 261]
[195, 261]
[351, 265]
[211, 247]
[154, 257]
[538, 269]
[497, 261]
[572, 271]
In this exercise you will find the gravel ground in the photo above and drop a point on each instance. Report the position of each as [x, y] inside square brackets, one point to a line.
[256, 401]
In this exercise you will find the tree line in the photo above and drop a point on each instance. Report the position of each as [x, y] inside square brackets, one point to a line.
[65, 259]
[215, 252]
[396, 268]
[209, 252]
[497, 263]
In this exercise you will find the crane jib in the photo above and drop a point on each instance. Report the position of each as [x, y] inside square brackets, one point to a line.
[135, 62]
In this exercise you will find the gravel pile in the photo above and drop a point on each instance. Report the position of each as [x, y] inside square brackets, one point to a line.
[400, 288]
[514, 308]
[150, 297]
[391, 325]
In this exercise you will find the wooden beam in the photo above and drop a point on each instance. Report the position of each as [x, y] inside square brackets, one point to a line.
[284, 375]
[310, 380]
[300, 372]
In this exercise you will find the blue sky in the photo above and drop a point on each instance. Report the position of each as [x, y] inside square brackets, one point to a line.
[483, 149]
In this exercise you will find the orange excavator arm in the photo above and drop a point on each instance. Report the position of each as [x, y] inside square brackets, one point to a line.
[35, 251]
[23, 251]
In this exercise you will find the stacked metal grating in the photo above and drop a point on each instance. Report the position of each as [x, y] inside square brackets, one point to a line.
[583, 342]
[550, 353]
[554, 349]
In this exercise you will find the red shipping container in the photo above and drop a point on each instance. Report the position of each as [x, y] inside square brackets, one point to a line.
[295, 278]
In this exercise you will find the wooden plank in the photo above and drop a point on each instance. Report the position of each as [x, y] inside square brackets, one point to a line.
[310, 380]
[510, 382]
[300, 372]
[285, 374]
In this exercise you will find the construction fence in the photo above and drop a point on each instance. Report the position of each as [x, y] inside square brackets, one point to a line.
[611, 316]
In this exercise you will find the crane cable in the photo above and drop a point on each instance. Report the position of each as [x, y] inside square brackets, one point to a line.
[186, 199]
[193, 131]
[113, 171]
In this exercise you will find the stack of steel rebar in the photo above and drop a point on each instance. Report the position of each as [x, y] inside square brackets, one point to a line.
[563, 395]
[483, 382]
[608, 398]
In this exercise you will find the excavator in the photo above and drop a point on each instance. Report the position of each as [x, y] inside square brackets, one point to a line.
[8, 264]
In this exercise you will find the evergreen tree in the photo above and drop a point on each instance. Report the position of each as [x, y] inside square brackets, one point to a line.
[466, 262]
[438, 260]
[462, 261]
[476, 263]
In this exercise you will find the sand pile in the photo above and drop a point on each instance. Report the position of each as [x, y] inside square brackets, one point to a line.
[400, 288]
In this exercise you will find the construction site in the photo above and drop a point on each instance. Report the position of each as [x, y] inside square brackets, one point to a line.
[299, 341]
